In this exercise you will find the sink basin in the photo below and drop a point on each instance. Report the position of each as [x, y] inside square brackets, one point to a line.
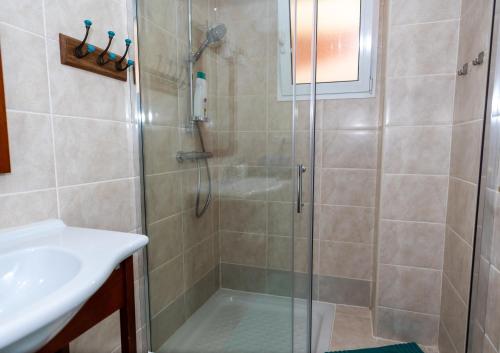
[47, 272]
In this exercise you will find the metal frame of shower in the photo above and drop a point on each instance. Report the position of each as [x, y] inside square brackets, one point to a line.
[139, 120]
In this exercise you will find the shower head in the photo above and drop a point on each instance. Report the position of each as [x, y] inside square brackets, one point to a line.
[214, 35]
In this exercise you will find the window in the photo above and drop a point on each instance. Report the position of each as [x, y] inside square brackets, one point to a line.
[346, 48]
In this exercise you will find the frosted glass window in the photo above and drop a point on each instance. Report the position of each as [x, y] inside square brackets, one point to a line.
[346, 47]
[338, 39]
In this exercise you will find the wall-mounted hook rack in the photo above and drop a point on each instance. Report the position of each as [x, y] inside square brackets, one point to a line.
[464, 70]
[479, 60]
[89, 61]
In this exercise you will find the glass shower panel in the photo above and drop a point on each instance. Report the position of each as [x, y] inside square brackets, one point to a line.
[486, 275]
[228, 260]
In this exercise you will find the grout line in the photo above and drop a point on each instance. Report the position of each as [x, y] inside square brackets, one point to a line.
[463, 180]
[98, 182]
[416, 174]
[412, 267]
[448, 20]
[409, 311]
[51, 109]
[455, 291]
[41, 36]
[407, 221]
[28, 192]
[448, 336]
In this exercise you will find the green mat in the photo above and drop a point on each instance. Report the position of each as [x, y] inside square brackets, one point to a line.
[396, 348]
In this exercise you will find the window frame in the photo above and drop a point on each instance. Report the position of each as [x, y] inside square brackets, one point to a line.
[364, 87]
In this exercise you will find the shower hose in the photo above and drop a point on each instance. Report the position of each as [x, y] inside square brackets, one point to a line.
[200, 212]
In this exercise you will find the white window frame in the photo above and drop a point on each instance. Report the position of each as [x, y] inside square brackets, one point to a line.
[364, 87]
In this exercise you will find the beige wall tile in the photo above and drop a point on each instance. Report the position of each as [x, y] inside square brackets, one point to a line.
[90, 150]
[198, 261]
[411, 244]
[32, 12]
[160, 100]
[196, 229]
[349, 114]
[280, 218]
[349, 224]
[412, 289]
[348, 187]
[411, 52]
[31, 153]
[75, 92]
[21, 209]
[414, 198]
[420, 100]
[413, 150]
[350, 332]
[350, 149]
[454, 315]
[406, 326]
[470, 93]
[461, 208]
[475, 27]
[162, 13]
[161, 145]
[163, 195]
[165, 284]
[165, 239]
[108, 205]
[64, 16]
[279, 253]
[243, 249]
[250, 113]
[105, 335]
[244, 216]
[445, 344]
[492, 323]
[25, 76]
[345, 260]
[458, 263]
[247, 148]
[243, 182]
[466, 151]
[418, 11]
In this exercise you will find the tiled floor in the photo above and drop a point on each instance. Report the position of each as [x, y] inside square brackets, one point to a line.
[352, 329]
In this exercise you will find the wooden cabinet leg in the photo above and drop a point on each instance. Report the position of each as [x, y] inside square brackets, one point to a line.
[64, 350]
[127, 312]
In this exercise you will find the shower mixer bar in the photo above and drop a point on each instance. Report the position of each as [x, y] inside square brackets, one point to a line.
[193, 156]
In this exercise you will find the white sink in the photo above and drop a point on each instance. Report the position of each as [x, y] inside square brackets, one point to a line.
[47, 272]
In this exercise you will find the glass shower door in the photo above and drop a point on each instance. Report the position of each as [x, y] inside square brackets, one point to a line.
[228, 264]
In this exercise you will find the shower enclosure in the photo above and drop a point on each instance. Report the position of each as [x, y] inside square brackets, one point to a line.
[229, 266]
[310, 171]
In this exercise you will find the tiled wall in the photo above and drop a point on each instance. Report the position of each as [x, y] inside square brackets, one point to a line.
[255, 145]
[475, 28]
[420, 88]
[71, 133]
[184, 249]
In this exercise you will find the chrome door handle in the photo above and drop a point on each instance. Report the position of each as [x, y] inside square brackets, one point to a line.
[300, 171]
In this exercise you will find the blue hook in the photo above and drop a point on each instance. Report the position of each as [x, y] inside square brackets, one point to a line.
[129, 64]
[100, 59]
[79, 49]
[118, 64]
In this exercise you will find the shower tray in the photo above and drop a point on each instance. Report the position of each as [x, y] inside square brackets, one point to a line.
[241, 322]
